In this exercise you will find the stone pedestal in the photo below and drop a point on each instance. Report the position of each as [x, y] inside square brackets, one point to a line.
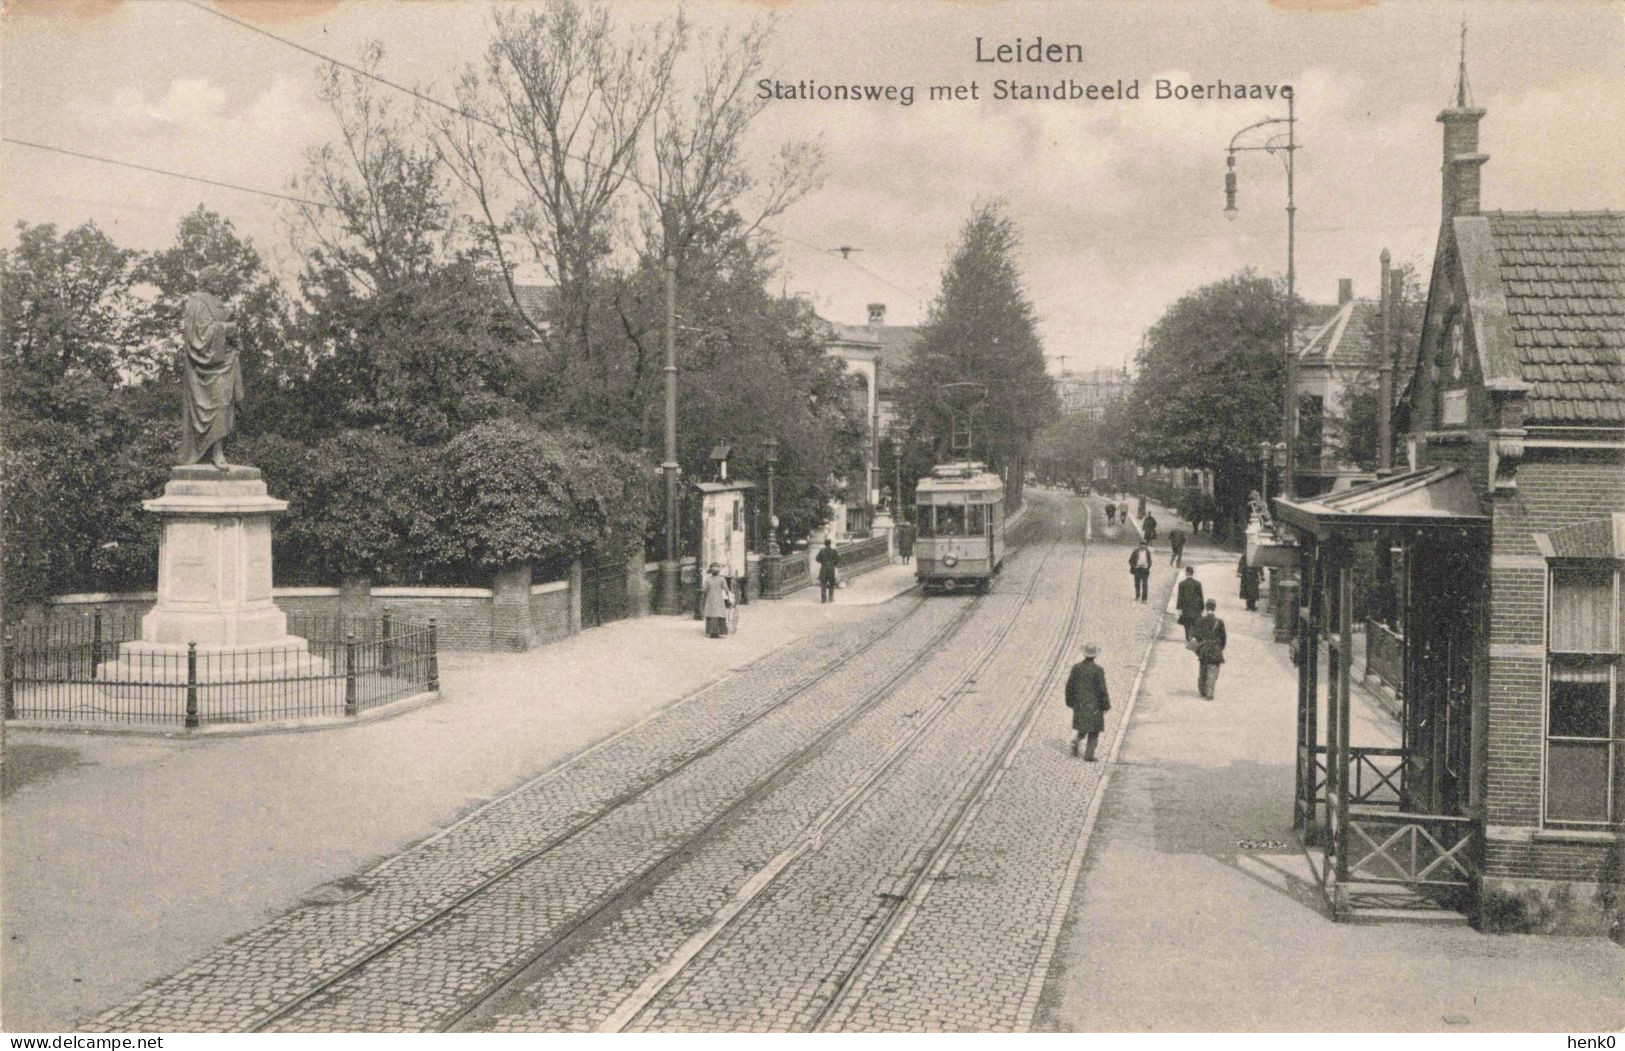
[214, 560]
[884, 525]
[214, 589]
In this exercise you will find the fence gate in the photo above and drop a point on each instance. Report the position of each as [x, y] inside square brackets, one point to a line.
[603, 587]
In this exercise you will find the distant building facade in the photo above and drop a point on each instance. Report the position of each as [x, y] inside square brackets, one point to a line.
[1089, 393]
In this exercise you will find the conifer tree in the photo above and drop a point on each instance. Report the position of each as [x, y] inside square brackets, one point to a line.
[982, 329]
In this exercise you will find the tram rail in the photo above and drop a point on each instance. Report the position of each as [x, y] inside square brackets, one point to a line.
[290, 1010]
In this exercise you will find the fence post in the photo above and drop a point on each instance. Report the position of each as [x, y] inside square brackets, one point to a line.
[96, 641]
[350, 706]
[386, 654]
[434, 658]
[11, 677]
[191, 686]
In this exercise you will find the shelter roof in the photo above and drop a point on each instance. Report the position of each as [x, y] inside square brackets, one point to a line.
[1437, 496]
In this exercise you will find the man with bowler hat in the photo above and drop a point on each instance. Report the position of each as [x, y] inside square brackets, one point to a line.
[1086, 696]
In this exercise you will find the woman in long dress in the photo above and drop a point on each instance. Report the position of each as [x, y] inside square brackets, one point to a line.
[716, 598]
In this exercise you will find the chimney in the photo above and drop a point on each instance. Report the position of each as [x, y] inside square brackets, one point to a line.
[1345, 290]
[877, 314]
[1462, 160]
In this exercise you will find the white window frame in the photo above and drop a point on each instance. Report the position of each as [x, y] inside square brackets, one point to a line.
[1615, 743]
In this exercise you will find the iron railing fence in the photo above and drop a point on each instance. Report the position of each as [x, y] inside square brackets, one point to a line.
[94, 668]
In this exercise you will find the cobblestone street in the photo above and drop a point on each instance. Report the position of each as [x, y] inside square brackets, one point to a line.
[874, 828]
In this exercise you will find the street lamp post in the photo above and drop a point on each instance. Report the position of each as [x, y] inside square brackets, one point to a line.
[897, 466]
[772, 457]
[667, 600]
[1289, 402]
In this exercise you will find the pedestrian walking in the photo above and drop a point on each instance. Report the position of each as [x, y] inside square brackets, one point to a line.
[1086, 696]
[1148, 525]
[1249, 583]
[1142, 507]
[717, 601]
[1211, 640]
[1176, 546]
[1122, 512]
[828, 560]
[905, 540]
[1189, 602]
[1111, 514]
[1139, 565]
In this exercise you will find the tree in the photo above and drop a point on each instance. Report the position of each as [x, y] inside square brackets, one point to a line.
[518, 495]
[558, 110]
[1356, 430]
[982, 329]
[1209, 386]
[66, 308]
[409, 333]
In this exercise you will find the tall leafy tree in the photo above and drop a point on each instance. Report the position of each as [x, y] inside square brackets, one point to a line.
[402, 315]
[1209, 385]
[67, 306]
[982, 329]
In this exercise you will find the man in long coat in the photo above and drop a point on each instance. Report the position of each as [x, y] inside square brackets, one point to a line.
[1211, 641]
[1086, 696]
[1189, 601]
[1249, 582]
[211, 376]
[717, 597]
[829, 560]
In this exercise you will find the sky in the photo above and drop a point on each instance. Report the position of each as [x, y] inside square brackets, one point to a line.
[1119, 203]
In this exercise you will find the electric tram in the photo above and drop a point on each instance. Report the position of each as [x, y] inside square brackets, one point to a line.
[959, 513]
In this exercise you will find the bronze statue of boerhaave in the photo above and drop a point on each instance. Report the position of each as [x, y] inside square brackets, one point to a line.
[211, 376]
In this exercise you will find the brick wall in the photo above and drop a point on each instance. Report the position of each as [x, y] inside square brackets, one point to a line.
[1537, 859]
[550, 612]
[1557, 488]
[465, 618]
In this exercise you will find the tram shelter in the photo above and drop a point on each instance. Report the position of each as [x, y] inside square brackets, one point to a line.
[1389, 826]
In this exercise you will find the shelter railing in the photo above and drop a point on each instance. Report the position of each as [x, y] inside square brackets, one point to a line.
[1385, 655]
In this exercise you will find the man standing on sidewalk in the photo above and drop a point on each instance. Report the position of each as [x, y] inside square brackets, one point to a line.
[1086, 696]
[1190, 602]
[828, 560]
[1139, 564]
[1211, 640]
[1176, 546]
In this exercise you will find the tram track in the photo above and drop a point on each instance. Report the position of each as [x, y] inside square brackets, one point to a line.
[289, 1012]
[907, 905]
[576, 830]
[627, 1013]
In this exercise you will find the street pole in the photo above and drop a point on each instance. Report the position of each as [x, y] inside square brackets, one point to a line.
[669, 601]
[1290, 423]
[1385, 376]
[1289, 399]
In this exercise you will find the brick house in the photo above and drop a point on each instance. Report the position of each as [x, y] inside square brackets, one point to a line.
[1335, 354]
[1503, 546]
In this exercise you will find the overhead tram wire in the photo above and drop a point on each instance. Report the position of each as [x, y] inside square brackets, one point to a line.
[161, 171]
[460, 112]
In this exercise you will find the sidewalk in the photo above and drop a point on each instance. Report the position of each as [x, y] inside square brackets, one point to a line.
[125, 857]
[871, 588]
[1195, 909]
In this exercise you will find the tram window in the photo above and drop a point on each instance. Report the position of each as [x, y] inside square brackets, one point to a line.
[923, 523]
[975, 520]
[950, 520]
